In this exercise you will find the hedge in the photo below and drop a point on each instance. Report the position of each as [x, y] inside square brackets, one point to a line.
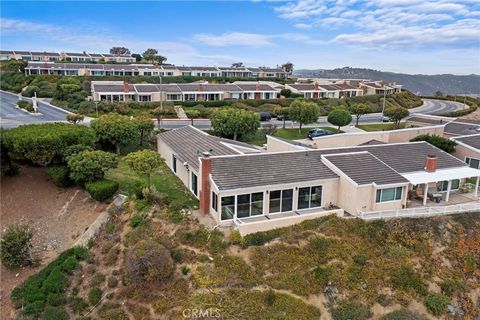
[27, 105]
[59, 176]
[44, 290]
[102, 190]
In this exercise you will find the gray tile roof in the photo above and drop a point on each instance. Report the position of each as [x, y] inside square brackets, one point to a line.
[461, 129]
[246, 171]
[427, 120]
[112, 88]
[189, 143]
[364, 168]
[472, 141]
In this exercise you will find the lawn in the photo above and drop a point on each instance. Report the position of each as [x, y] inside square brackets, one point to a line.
[260, 139]
[380, 126]
[164, 181]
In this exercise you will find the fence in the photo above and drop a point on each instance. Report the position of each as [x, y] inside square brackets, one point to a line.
[420, 212]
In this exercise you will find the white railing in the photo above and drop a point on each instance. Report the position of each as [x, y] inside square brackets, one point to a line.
[420, 212]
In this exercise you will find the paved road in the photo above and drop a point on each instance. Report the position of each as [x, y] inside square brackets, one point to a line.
[10, 116]
[13, 117]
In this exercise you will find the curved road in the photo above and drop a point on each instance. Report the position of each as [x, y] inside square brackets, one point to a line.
[10, 116]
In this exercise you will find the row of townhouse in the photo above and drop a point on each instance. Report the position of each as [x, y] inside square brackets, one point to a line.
[248, 187]
[199, 91]
[65, 56]
[79, 69]
[342, 88]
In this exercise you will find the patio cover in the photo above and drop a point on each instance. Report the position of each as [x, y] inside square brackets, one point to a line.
[441, 175]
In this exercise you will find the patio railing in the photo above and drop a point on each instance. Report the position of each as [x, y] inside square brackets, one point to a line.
[420, 212]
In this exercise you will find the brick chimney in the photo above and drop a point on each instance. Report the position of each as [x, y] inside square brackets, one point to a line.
[315, 86]
[344, 85]
[200, 87]
[431, 163]
[205, 171]
[257, 87]
[126, 89]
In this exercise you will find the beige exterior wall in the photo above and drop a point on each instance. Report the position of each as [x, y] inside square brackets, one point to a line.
[357, 138]
[277, 145]
[462, 151]
[182, 173]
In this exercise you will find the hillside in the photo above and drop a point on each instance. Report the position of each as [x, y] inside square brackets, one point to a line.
[425, 85]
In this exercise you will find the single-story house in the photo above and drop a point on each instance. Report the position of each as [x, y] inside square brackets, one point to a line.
[468, 149]
[238, 184]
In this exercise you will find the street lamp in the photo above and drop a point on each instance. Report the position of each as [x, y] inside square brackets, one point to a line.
[384, 97]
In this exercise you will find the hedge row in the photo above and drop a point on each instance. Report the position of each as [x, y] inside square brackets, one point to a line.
[27, 105]
[102, 190]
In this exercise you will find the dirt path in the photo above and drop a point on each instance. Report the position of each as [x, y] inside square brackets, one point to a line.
[58, 217]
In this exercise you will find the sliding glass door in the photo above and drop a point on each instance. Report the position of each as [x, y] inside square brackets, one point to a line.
[309, 197]
[281, 200]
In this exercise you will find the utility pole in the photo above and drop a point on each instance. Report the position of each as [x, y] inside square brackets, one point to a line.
[384, 97]
[161, 99]
[96, 106]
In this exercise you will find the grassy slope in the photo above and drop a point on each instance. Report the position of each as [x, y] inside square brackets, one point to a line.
[287, 133]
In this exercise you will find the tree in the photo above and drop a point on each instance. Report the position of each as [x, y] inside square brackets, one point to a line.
[396, 114]
[144, 162]
[287, 93]
[158, 113]
[138, 57]
[15, 246]
[41, 143]
[304, 112]
[231, 122]
[87, 166]
[287, 67]
[145, 127]
[339, 117]
[116, 129]
[282, 111]
[75, 118]
[445, 144]
[237, 65]
[148, 262]
[119, 50]
[439, 94]
[152, 56]
[359, 110]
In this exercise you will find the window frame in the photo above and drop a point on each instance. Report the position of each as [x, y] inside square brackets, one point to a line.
[310, 188]
[174, 163]
[281, 201]
[379, 194]
[194, 190]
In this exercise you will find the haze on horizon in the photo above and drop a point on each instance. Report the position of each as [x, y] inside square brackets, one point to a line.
[406, 36]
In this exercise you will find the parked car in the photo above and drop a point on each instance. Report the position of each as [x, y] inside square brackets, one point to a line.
[386, 119]
[282, 117]
[265, 116]
[318, 133]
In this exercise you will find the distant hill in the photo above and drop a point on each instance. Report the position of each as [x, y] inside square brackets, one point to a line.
[417, 83]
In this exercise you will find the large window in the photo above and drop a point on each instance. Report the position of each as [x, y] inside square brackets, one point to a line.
[228, 207]
[389, 194]
[472, 162]
[309, 197]
[194, 184]
[249, 204]
[443, 185]
[281, 200]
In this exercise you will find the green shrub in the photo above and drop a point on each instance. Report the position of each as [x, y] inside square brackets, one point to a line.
[77, 304]
[318, 244]
[27, 105]
[400, 252]
[349, 310]
[141, 204]
[405, 278]
[55, 313]
[235, 238]
[95, 296]
[270, 297]
[55, 281]
[451, 286]
[445, 144]
[136, 220]
[437, 303]
[102, 190]
[56, 299]
[470, 263]
[402, 314]
[360, 260]
[321, 274]
[34, 309]
[59, 176]
[70, 264]
[177, 255]
[185, 270]
[15, 246]
[256, 239]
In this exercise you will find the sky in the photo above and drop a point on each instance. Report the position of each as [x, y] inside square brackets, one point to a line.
[408, 36]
